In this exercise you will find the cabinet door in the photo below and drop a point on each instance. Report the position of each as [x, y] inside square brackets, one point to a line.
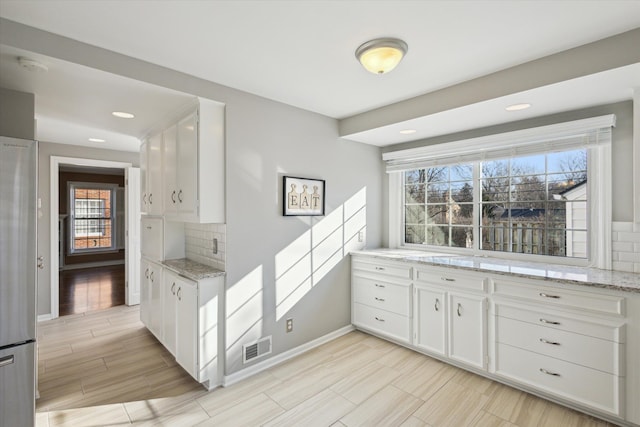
[143, 177]
[145, 297]
[187, 326]
[187, 167]
[154, 175]
[169, 149]
[170, 285]
[155, 300]
[430, 319]
[467, 329]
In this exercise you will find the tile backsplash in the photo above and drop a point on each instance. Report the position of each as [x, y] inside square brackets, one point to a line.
[199, 243]
[626, 246]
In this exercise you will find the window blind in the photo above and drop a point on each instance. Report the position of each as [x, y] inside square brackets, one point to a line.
[545, 139]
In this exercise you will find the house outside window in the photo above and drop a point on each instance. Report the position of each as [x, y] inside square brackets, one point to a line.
[93, 216]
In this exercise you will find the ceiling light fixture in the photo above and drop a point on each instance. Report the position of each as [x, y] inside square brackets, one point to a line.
[123, 115]
[32, 65]
[408, 131]
[380, 56]
[97, 140]
[518, 107]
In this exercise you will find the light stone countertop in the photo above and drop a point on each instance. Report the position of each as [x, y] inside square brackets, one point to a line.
[607, 279]
[191, 269]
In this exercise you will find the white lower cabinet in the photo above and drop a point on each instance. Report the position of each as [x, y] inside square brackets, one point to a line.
[575, 346]
[185, 317]
[151, 296]
[430, 316]
[467, 329]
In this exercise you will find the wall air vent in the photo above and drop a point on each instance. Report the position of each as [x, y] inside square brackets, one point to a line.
[256, 350]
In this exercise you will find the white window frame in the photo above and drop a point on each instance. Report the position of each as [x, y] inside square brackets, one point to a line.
[598, 186]
[91, 185]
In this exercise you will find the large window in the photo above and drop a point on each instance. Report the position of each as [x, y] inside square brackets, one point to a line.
[524, 204]
[92, 217]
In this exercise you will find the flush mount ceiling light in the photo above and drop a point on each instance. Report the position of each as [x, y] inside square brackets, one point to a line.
[518, 107]
[123, 115]
[32, 65]
[380, 56]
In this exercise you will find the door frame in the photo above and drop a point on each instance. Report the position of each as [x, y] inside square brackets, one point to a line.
[54, 196]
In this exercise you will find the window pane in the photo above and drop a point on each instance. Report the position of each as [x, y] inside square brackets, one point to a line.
[563, 188]
[462, 173]
[438, 236]
[414, 193]
[437, 174]
[414, 234]
[462, 191]
[414, 214]
[530, 187]
[462, 237]
[462, 213]
[438, 193]
[573, 164]
[416, 176]
[529, 165]
[437, 214]
[494, 213]
[576, 244]
[495, 189]
[495, 168]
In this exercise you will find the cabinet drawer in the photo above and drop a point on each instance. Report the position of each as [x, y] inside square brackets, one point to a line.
[578, 383]
[610, 331]
[382, 321]
[387, 296]
[450, 277]
[568, 346]
[151, 239]
[399, 270]
[558, 297]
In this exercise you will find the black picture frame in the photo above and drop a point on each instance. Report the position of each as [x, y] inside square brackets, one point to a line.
[303, 196]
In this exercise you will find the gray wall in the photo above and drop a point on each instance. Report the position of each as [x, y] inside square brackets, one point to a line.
[45, 151]
[264, 140]
[622, 152]
[17, 114]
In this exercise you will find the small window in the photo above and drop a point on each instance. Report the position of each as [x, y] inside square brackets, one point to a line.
[93, 211]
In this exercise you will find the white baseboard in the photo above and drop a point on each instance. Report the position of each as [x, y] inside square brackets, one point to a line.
[282, 357]
[44, 317]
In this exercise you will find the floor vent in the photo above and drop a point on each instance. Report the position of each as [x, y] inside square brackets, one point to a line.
[256, 349]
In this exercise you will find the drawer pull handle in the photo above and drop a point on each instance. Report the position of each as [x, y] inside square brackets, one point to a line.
[173, 288]
[459, 310]
[6, 360]
[553, 374]
[379, 319]
[379, 299]
[447, 279]
[179, 293]
[549, 322]
[437, 305]
[173, 197]
[542, 340]
[380, 268]
[146, 273]
[543, 295]
[379, 285]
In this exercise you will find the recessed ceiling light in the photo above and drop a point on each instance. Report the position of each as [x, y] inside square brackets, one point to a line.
[97, 140]
[518, 107]
[408, 131]
[123, 115]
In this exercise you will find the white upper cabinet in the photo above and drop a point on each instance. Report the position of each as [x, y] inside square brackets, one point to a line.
[169, 152]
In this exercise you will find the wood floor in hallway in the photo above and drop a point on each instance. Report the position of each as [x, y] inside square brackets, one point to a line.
[89, 289]
[104, 368]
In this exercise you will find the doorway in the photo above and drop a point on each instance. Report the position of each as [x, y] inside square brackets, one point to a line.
[85, 240]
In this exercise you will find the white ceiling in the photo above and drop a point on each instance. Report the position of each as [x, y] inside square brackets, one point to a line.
[302, 53]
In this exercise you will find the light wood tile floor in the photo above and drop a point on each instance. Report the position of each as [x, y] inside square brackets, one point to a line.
[104, 368]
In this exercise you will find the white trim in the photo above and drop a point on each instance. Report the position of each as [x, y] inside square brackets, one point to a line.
[44, 317]
[599, 183]
[93, 264]
[55, 163]
[282, 357]
[562, 135]
[636, 156]
[396, 202]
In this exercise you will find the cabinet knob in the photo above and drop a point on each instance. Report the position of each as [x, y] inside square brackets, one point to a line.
[553, 374]
[459, 310]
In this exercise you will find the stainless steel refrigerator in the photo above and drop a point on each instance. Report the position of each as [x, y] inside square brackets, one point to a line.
[18, 181]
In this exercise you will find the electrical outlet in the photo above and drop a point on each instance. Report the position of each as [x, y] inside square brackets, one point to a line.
[289, 325]
[360, 236]
[215, 246]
